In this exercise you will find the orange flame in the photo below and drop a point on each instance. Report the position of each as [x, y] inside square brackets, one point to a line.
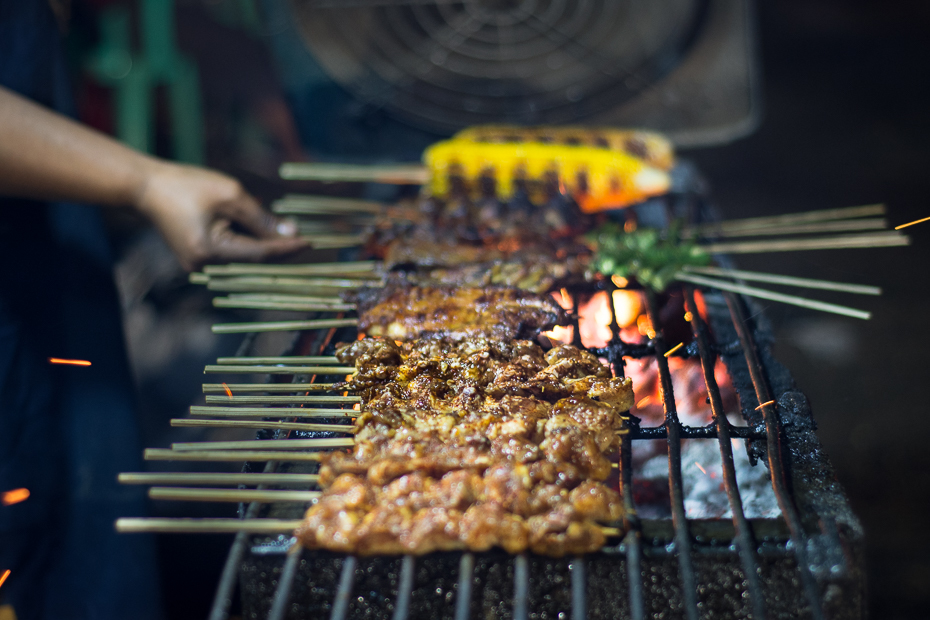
[58, 360]
[15, 496]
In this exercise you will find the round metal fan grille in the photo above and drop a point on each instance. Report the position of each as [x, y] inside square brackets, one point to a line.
[444, 65]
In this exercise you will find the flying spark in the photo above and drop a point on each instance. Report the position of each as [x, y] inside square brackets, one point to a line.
[228, 391]
[765, 404]
[911, 223]
[15, 496]
[698, 465]
[3, 577]
[675, 348]
[58, 360]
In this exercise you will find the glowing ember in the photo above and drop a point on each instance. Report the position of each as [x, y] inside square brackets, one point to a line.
[14, 496]
[628, 305]
[689, 317]
[57, 360]
[620, 281]
[228, 391]
[911, 223]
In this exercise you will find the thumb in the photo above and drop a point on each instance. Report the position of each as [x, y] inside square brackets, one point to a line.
[248, 213]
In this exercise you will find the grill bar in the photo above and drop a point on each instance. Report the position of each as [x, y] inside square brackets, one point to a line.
[773, 448]
[404, 589]
[463, 593]
[579, 594]
[676, 490]
[521, 587]
[745, 543]
[633, 539]
[346, 581]
[227, 586]
[285, 584]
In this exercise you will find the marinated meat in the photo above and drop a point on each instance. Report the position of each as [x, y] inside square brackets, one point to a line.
[473, 444]
[403, 312]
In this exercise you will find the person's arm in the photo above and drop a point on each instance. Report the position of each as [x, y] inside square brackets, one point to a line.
[45, 155]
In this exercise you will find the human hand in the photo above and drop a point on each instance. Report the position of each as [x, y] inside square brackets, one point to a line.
[195, 209]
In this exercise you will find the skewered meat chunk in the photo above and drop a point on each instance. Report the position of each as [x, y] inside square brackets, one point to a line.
[471, 444]
[410, 312]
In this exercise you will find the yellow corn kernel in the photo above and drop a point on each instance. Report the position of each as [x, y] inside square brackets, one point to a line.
[652, 147]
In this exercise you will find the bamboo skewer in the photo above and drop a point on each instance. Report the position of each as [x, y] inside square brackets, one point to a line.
[220, 388]
[290, 306]
[166, 525]
[206, 526]
[816, 227]
[788, 219]
[197, 478]
[264, 496]
[289, 298]
[271, 412]
[329, 242]
[285, 359]
[311, 269]
[294, 204]
[281, 326]
[276, 445]
[230, 286]
[873, 240]
[258, 424]
[281, 370]
[389, 174]
[771, 278]
[296, 281]
[793, 300]
[162, 454]
[292, 400]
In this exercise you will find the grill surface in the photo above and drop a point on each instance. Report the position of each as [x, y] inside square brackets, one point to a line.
[806, 564]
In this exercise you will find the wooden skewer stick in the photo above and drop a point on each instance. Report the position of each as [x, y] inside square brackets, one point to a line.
[389, 174]
[206, 526]
[817, 227]
[281, 370]
[266, 444]
[772, 278]
[271, 412]
[162, 454]
[197, 478]
[302, 204]
[166, 525]
[270, 400]
[230, 285]
[281, 326]
[793, 300]
[289, 306]
[803, 217]
[336, 241]
[287, 297]
[220, 388]
[287, 426]
[873, 240]
[348, 283]
[311, 269]
[265, 496]
[284, 359]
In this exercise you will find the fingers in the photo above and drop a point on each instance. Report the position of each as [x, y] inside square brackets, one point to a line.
[230, 246]
[247, 212]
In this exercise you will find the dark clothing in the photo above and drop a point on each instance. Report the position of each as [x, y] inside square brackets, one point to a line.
[65, 431]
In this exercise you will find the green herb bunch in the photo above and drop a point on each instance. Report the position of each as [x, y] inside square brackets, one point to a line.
[651, 256]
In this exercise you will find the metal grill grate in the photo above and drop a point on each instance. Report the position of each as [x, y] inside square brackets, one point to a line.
[727, 330]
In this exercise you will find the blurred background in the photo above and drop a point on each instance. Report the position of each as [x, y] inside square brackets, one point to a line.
[832, 112]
